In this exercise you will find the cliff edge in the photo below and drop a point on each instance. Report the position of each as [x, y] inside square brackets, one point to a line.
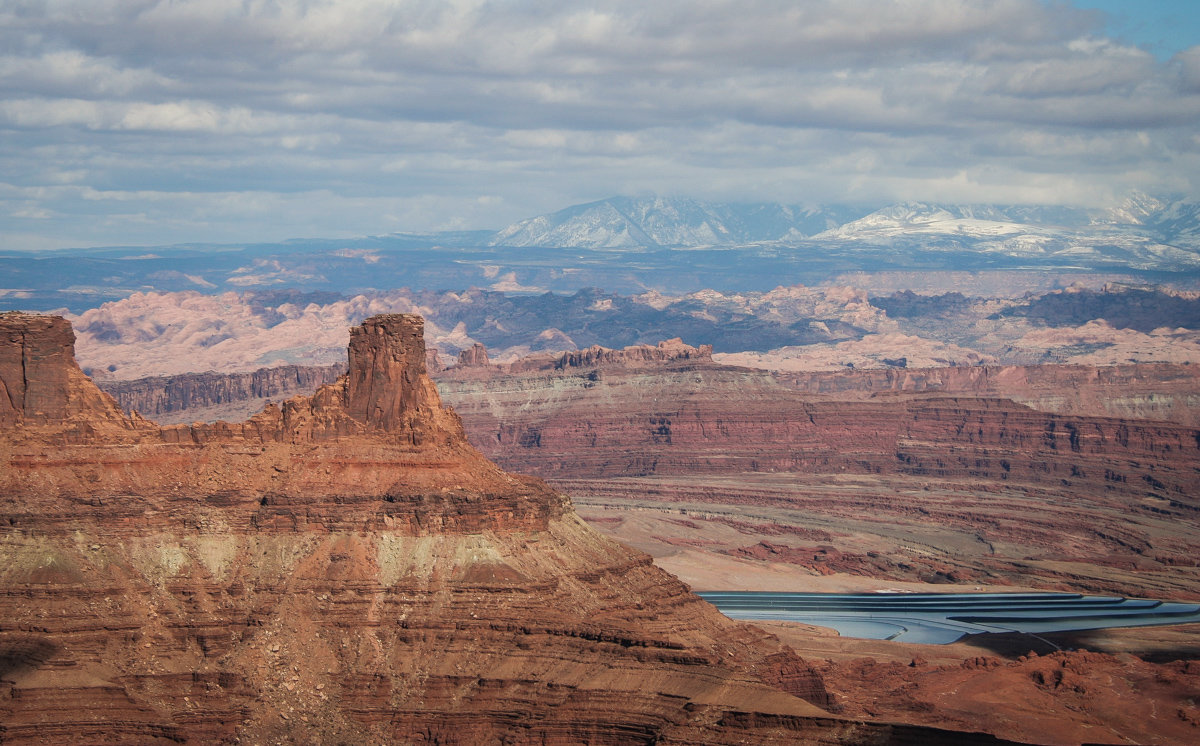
[40, 383]
[342, 567]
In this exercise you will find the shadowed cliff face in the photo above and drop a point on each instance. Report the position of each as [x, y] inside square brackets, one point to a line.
[39, 380]
[387, 386]
[34, 355]
[342, 568]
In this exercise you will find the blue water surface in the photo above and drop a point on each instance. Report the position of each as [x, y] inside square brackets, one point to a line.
[939, 618]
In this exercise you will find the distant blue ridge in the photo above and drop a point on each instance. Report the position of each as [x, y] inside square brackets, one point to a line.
[940, 618]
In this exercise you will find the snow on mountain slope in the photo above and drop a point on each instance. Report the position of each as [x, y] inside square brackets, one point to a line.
[973, 221]
[1179, 223]
[649, 222]
[1142, 232]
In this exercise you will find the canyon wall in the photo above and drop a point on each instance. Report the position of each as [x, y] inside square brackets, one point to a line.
[1166, 392]
[975, 486]
[1169, 392]
[344, 567]
[700, 463]
[710, 419]
[981, 488]
[160, 397]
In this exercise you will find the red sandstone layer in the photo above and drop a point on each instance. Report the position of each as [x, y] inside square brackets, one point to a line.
[987, 491]
[343, 567]
[990, 491]
[1166, 392]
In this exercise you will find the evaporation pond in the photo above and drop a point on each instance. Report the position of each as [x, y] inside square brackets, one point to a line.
[939, 618]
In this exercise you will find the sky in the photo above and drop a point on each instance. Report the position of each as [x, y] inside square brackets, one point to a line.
[149, 122]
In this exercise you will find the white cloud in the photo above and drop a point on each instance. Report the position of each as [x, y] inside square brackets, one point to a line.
[333, 117]
[74, 73]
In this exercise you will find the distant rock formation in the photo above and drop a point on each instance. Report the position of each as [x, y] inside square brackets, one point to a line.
[161, 397]
[476, 356]
[731, 420]
[343, 567]
[669, 351]
[1165, 392]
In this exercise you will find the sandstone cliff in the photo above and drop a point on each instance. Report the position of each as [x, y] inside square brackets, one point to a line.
[474, 356]
[343, 567]
[668, 351]
[164, 398]
[1168, 392]
[727, 420]
[39, 380]
[903, 485]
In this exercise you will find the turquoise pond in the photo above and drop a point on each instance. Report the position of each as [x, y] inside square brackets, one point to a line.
[939, 618]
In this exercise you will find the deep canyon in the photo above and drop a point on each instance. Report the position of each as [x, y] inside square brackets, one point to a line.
[345, 567]
[998, 477]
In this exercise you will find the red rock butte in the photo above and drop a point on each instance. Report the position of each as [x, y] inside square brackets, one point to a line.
[343, 568]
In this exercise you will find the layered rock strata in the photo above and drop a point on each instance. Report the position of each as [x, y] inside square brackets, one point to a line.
[902, 475]
[918, 487]
[342, 567]
[1164, 392]
[1167, 392]
[163, 398]
[710, 419]
[672, 350]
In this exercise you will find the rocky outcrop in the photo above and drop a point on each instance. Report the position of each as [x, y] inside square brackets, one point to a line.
[163, 398]
[669, 351]
[33, 369]
[344, 568]
[387, 387]
[39, 381]
[475, 356]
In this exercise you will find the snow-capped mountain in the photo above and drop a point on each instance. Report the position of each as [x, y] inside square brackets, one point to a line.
[910, 218]
[1178, 223]
[1141, 233]
[630, 244]
[649, 222]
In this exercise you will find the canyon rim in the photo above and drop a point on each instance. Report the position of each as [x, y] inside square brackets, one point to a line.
[344, 567]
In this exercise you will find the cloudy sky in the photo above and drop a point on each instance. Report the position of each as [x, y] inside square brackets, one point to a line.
[138, 122]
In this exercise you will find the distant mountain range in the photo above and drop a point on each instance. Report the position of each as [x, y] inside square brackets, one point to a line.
[1142, 233]
[633, 244]
[662, 222]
